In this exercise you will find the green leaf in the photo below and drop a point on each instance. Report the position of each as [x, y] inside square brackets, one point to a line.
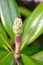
[3, 38]
[2, 49]
[34, 27]
[2, 43]
[25, 11]
[38, 62]
[3, 34]
[38, 56]
[14, 10]
[30, 50]
[5, 58]
[3, 54]
[29, 60]
[9, 11]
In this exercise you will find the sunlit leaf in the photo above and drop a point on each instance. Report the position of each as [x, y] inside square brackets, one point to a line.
[38, 56]
[34, 26]
[9, 11]
[4, 35]
[29, 60]
[3, 38]
[6, 58]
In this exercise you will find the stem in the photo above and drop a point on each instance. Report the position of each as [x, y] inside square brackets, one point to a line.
[17, 50]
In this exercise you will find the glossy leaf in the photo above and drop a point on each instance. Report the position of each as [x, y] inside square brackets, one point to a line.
[3, 34]
[25, 11]
[26, 60]
[38, 56]
[3, 54]
[6, 58]
[2, 43]
[34, 27]
[9, 11]
[14, 10]
[29, 60]
[30, 50]
[3, 38]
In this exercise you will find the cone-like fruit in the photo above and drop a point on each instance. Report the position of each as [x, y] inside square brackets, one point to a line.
[17, 26]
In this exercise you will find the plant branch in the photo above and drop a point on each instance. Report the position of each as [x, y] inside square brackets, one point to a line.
[17, 52]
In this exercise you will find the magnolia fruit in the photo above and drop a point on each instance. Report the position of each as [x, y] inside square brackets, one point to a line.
[17, 26]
